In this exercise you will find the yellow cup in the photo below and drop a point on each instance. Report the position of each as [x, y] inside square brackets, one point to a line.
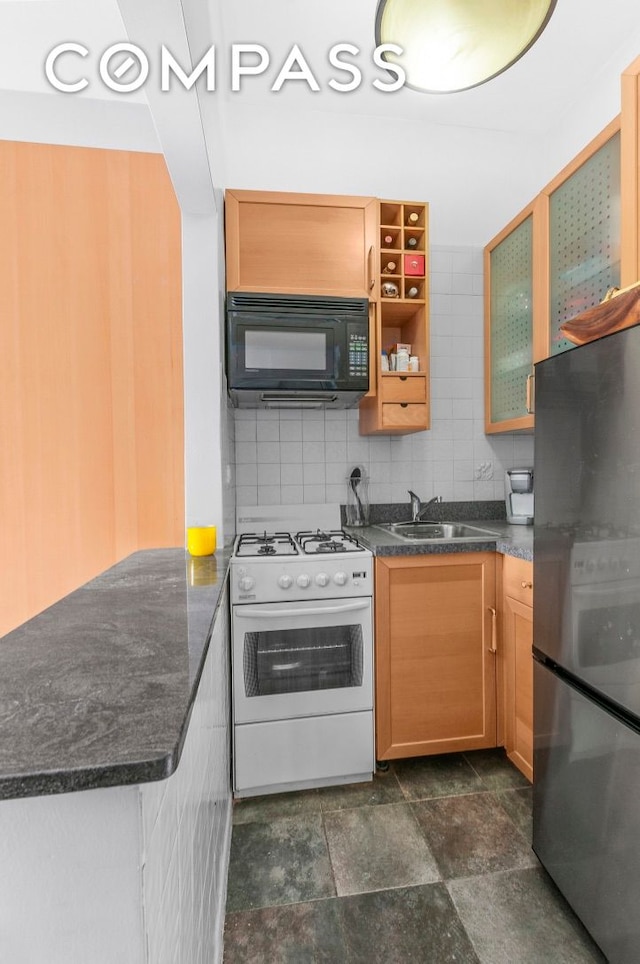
[201, 540]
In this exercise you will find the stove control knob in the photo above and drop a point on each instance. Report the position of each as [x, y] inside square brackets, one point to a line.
[340, 578]
[285, 582]
[322, 579]
[246, 583]
[304, 581]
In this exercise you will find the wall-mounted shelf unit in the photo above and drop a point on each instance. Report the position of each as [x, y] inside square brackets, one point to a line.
[401, 402]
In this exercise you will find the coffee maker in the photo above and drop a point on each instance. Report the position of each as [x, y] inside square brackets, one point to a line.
[518, 496]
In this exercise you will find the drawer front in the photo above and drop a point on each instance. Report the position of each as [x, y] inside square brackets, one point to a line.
[399, 415]
[517, 579]
[403, 388]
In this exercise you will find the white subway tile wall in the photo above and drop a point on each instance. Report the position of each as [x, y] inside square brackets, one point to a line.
[301, 456]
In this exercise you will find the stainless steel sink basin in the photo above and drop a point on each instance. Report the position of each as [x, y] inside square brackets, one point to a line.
[437, 531]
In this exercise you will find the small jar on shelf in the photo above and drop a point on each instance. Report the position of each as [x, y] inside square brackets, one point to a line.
[414, 215]
[413, 289]
[390, 289]
[389, 238]
[414, 240]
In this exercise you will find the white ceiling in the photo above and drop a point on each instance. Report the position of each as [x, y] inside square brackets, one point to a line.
[533, 117]
[585, 42]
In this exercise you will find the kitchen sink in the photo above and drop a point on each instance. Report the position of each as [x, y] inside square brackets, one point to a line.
[437, 531]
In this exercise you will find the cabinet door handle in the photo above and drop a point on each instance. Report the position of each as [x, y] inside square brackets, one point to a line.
[526, 585]
[494, 630]
[370, 276]
[530, 390]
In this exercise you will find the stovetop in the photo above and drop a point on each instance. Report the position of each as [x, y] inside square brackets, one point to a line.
[296, 553]
[318, 542]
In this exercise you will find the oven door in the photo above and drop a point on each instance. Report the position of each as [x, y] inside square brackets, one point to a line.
[302, 659]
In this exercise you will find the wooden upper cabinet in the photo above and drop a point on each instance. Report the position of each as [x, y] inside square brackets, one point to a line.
[317, 244]
[583, 234]
[512, 297]
[556, 259]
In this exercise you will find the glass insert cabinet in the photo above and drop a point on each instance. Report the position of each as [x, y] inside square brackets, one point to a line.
[509, 325]
[558, 257]
[584, 239]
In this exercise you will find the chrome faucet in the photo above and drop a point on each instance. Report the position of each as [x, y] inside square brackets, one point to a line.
[418, 508]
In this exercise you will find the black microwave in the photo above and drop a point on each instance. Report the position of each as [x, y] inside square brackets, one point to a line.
[296, 351]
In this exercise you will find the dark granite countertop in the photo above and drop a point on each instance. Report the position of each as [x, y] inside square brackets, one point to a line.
[510, 540]
[97, 690]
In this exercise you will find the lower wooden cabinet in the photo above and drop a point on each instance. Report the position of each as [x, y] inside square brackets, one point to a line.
[517, 640]
[435, 654]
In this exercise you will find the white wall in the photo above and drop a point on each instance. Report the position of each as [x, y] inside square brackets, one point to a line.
[304, 456]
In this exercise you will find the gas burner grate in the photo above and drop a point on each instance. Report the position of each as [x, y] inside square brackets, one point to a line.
[266, 544]
[330, 541]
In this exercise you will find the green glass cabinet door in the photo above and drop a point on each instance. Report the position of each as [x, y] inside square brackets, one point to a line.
[584, 239]
[509, 327]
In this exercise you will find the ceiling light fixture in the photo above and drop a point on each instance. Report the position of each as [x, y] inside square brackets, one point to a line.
[452, 45]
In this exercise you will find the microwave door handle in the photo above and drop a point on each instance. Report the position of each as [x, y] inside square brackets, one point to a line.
[279, 613]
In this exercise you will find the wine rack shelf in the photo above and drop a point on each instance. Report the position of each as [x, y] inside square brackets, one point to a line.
[401, 402]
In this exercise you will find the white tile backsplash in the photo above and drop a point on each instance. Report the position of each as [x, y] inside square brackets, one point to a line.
[315, 451]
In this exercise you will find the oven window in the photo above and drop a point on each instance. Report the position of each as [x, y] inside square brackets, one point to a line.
[285, 350]
[299, 660]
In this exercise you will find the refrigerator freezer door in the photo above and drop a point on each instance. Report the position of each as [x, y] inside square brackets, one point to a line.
[586, 819]
[587, 520]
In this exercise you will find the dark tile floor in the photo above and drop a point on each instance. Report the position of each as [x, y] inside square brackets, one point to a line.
[430, 863]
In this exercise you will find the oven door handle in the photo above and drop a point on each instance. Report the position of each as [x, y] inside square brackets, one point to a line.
[318, 611]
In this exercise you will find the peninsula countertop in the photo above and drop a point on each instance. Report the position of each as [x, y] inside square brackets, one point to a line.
[97, 690]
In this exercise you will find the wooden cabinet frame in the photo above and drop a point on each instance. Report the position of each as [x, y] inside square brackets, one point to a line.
[630, 175]
[542, 326]
[398, 404]
[627, 124]
[515, 671]
[265, 243]
[448, 649]
[538, 211]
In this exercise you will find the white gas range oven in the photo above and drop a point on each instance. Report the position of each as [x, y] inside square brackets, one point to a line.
[302, 651]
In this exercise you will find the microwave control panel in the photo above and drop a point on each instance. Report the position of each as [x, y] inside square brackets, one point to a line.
[358, 354]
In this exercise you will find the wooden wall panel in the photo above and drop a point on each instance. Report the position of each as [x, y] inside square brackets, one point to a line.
[91, 393]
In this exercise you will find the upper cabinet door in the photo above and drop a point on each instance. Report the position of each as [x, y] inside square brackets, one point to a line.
[510, 298]
[584, 235]
[301, 243]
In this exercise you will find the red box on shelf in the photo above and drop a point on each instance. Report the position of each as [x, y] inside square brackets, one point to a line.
[414, 264]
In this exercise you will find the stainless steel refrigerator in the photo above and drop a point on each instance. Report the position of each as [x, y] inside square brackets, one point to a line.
[586, 827]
